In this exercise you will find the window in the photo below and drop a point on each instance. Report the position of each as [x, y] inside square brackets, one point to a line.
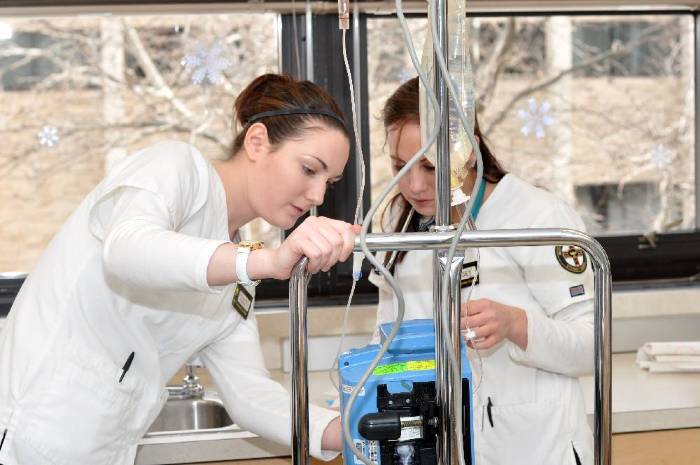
[618, 130]
[641, 46]
[79, 93]
[526, 52]
[626, 208]
[24, 71]
[619, 87]
[388, 66]
[620, 93]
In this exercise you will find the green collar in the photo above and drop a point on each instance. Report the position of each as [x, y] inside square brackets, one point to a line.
[478, 200]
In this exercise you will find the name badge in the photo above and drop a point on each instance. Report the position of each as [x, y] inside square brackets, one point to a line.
[470, 272]
[242, 301]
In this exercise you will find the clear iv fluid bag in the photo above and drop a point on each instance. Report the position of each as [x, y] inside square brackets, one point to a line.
[459, 66]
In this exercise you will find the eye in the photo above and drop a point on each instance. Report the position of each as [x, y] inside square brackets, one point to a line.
[430, 168]
[308, 171]
[398, 166]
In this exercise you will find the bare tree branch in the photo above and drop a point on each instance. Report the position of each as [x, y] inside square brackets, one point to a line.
[490, 72]
[162, 89]
[616, 52]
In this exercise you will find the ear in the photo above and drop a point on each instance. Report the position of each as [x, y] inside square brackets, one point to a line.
[256, 142]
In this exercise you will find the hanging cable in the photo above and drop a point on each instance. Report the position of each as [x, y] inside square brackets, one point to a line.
[373, 260]
[357, 258]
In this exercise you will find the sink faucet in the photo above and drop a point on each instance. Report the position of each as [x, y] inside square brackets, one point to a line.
[190, 388]
[190, 384]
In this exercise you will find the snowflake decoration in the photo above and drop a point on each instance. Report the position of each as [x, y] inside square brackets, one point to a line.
[206, 63]
[535, 118]
[660, 156]
[48, 136]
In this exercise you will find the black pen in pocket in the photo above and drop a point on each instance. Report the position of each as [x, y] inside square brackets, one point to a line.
[126, 366]
[489, 406]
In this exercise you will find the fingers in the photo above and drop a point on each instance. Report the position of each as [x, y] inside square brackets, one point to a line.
[474, 312]
[311, 248]
[339, 225]
[486, 329]
[475, 321]
[482, 332]
[483, 337]
[476, 306]
[484, 343]
[334, 241]
[334, 244]
[478, 316]
[313, 244]
[348, 232]
[348, 244]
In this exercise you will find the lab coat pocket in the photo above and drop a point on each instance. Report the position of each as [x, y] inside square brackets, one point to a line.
[81, 414]
[536, 433]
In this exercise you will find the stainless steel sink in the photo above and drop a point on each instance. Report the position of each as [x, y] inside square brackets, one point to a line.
[197, 428]
[191, 415]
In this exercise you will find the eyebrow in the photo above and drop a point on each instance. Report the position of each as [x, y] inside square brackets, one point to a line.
[325, 167]
[323, 163]
[422, 160]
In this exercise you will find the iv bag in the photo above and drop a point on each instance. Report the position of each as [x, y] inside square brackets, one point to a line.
[459, 66]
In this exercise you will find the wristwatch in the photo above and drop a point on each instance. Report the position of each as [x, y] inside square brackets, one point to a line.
[242, 252]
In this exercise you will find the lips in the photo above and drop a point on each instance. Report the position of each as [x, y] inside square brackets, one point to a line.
[299, 211]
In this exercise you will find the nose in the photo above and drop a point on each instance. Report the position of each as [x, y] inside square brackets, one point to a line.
[416, 180]
[316, 192]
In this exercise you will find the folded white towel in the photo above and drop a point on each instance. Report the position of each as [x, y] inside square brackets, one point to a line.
[677, 358]
[672, 348]
[670, 357]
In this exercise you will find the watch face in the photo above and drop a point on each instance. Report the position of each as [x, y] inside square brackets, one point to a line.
[252, 245]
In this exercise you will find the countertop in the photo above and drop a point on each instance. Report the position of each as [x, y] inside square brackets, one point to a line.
[641, 401]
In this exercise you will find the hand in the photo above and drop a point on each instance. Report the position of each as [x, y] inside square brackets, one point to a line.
[323, 240]
[492, 322]
[332, 436]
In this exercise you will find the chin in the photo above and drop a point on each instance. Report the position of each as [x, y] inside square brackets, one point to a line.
[282, 221]
[425, 211]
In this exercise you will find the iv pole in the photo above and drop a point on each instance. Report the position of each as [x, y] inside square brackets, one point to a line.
[448, 386]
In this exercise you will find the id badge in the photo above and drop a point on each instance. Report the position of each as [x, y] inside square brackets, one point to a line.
[242, 301]
[470, 273]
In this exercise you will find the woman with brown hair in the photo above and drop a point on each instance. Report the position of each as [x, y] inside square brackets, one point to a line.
[530, 315]
[150, 270]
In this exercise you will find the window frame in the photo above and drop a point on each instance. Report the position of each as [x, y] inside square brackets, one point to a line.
[637, 261]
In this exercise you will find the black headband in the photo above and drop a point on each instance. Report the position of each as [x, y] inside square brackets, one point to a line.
[295, 111]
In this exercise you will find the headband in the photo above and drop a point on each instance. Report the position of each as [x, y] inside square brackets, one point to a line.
[295, 111]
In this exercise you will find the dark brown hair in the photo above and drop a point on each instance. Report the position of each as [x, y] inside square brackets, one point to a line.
[281, 92]
[403, 107]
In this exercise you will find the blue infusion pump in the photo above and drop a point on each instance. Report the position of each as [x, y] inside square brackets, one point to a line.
[394, 418]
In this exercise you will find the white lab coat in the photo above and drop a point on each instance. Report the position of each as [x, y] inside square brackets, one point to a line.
[127, 273]
[537, 411]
